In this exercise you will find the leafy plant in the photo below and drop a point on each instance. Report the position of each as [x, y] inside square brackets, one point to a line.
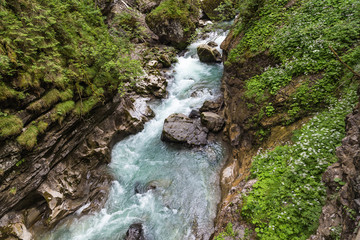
[286, 201]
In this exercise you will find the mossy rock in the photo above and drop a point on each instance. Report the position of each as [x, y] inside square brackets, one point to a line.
[174, 21]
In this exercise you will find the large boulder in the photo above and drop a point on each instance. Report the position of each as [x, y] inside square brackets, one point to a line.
[181, 129]
[174, 22]
[212, 121]
[135, 232]
[208, 54]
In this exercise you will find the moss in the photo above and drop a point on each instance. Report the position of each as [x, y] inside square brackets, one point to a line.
[28, 139]
[66, 95]
[10, 125]
[84, 107]
[7, 92]
[42, 126]
[61, 110]
[46, 101]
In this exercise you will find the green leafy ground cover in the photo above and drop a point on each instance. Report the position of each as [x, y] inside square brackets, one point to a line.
[299, 36]
[64, 48]
[286, 201]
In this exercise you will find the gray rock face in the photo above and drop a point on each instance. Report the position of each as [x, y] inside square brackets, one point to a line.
[68, 168]
[181, 129]
[208, 54]
[212, 121]
[135, 232]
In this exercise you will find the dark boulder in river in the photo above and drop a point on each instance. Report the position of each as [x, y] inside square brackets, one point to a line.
[135, 232]
[181, 129]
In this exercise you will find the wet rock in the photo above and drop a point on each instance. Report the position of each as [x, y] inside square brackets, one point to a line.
[212, 121]
[165, 61]
[135, 232]
[211, 106]
[181, 129]
[212, 44]
[208, 54]
[194, 114]
[171, 28]
[152, 84]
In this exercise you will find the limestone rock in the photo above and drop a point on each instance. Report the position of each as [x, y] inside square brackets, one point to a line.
[152, 84]
[181, 129]
[212, 121]
[135, 232]
[208, 54]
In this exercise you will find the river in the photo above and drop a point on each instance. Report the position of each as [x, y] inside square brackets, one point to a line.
[171, 190]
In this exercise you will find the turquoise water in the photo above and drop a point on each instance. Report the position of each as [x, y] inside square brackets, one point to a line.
[184, 183]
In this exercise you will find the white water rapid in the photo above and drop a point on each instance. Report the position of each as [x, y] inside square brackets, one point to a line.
[183, 204]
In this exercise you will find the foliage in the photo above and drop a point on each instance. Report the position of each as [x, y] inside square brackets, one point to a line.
[286, 201]
[9, 125]
[62, 47]
[228, 232]
[299, 37]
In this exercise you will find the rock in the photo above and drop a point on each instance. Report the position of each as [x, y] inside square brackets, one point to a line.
[341, 214]
[181, 129]
[152, 64]
[208, 54]
[145, 6]
[170, 26]
[234, 134]
[194, 114]
[212, 44]
[12, 226]
[212, 121]
[165, 60]
[135, 232]
[211, 106]
[68, 168]
[203, 23]
[152, 84]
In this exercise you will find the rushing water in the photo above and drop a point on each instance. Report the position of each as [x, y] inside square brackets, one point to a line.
[183, 204]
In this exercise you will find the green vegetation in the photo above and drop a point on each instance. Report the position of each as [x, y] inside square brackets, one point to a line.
[9, 125]
[28, 138]
[286, 201]
[228, 232]
[299, 37]
[64, 48]
[184, 12]
[61, 110]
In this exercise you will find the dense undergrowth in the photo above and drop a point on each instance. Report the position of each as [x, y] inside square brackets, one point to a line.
[286, 200]
[56, 58]
[298, 36]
